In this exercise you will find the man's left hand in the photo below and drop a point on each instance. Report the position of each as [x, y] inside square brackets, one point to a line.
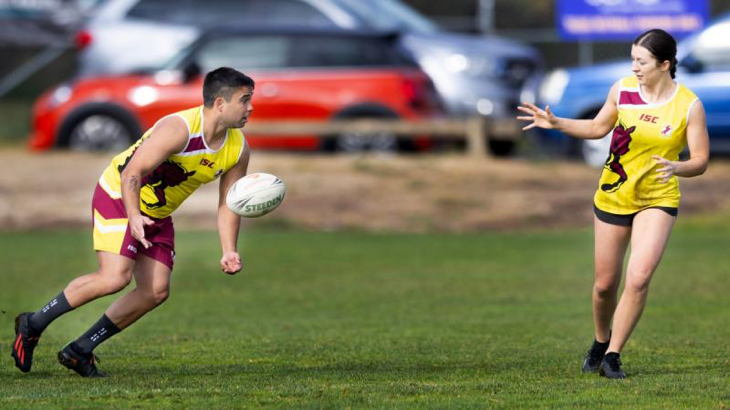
[231, 263]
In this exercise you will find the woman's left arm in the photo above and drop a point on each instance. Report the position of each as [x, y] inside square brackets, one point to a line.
[699, 149]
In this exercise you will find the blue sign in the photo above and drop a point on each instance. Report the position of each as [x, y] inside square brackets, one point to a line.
[626, 19]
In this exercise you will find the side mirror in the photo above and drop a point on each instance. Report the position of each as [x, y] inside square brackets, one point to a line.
[691, 64]
[190, 71]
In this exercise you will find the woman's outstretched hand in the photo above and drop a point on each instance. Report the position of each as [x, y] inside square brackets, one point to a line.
[539, 117]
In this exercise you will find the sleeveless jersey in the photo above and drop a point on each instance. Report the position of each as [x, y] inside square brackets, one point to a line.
[629, 182]
[165, 188]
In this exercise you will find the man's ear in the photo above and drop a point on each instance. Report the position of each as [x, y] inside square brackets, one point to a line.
[218, 103]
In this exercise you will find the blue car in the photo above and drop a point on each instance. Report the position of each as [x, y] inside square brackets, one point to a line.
[703, 66]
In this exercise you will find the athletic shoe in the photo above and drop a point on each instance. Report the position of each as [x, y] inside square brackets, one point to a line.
[593, 359]
[611, 366]
[84, 365]
[24, 343]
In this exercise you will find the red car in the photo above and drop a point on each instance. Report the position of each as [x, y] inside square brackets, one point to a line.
[300, 75]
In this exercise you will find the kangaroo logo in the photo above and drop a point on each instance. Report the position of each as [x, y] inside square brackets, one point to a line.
[166, 175]
[619, 146]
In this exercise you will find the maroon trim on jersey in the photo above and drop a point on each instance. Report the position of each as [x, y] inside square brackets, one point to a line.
[631, 97]
[195, 144]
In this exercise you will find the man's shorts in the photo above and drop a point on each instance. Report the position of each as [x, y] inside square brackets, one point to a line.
[112, 234]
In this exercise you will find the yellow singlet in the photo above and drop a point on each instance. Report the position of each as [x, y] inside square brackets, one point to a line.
[165, 188]
[629, 181]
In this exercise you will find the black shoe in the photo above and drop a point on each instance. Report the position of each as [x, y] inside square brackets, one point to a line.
[611, 366]
[593, 359]
[82, 364]
[24, 343]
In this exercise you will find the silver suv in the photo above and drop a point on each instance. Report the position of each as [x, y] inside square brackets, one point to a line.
[474, 75]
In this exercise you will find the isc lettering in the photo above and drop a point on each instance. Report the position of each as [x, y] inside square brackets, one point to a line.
[649, 118]
[206, 163]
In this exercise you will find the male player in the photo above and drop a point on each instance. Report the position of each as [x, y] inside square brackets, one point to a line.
[131, 207]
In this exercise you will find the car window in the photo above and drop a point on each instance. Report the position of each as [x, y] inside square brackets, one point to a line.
[389, 15]
[712, 47]
[344, 52]
[228, 12]
[244, 53]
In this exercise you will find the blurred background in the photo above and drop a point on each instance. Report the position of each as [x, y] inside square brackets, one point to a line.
[435, 79]
[475, 53]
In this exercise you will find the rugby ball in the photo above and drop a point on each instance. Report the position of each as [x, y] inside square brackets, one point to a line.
[255, 195]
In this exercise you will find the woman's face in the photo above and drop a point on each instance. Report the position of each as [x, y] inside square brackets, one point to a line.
[646, 67]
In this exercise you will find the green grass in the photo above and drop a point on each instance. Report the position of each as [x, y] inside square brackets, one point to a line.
[378, 320]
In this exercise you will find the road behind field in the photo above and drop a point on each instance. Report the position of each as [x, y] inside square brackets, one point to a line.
[448, 193]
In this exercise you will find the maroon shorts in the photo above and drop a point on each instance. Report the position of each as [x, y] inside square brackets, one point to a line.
[111, 231]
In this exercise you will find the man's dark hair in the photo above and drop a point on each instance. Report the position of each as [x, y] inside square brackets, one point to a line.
[223, 82]
[661, 45]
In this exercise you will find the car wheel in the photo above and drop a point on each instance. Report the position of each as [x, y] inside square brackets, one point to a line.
[100, 132]
[383, 142]
[501, 148]
[595, 152]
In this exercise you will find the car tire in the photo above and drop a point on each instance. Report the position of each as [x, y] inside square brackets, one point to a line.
[100, 132]
[355, 142]
[501, 148]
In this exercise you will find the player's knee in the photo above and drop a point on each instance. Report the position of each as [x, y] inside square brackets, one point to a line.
[155, 297]
[637, 280]
[605, 289]
[159, 296]
[115, 280]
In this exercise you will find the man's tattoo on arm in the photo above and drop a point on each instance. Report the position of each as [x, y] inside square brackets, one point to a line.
[134, 182]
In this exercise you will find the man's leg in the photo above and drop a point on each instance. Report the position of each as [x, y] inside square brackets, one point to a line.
[114, 274]
[153, 284]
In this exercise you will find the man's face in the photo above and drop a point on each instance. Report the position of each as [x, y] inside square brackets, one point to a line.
[237, 110]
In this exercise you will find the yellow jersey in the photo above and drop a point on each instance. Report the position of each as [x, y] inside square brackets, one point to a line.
[165, 188]
[629, 182]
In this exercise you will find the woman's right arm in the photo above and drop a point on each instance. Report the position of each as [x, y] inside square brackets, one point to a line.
[596, 128]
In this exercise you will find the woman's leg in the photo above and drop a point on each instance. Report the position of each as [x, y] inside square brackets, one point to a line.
[649, 238]
[610, 248]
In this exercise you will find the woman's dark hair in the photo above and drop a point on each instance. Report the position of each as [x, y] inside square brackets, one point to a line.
[222, 82]
[661, 45]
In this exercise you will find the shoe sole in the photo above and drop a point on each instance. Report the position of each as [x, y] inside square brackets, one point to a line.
[69, 363]
[13, 354]
[602, 373]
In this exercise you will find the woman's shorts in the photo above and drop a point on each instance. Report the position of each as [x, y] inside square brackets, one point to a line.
[112, 234]
[628, 219]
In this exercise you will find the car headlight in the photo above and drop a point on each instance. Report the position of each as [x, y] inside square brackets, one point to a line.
[471, 65]
[143, 95]
[60, 95]
[553, 86]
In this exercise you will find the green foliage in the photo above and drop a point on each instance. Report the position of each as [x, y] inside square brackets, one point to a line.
[391, 321]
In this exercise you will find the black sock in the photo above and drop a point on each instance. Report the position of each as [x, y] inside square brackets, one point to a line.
[102, 330]
[40, 320]
[612, 355]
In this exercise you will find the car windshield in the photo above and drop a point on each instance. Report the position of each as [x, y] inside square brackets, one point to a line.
[228, 12]
[389, 15]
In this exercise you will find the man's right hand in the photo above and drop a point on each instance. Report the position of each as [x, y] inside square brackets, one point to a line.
[136, 227]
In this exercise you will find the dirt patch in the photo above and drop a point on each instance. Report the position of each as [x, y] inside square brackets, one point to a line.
[414, 194]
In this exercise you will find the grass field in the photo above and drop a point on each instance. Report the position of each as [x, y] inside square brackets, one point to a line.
[379, 320]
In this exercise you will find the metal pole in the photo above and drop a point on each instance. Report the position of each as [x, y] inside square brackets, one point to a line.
[585, 53]
[485, 16]
[30, 67]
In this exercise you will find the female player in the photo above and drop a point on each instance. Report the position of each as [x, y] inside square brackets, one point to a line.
[652, 118]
